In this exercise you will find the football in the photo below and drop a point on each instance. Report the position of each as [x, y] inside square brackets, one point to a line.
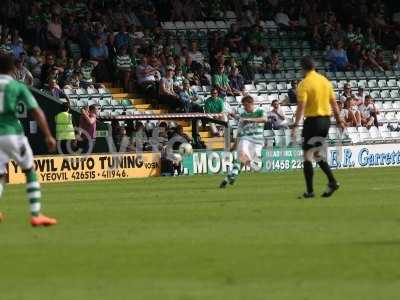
[185, 149]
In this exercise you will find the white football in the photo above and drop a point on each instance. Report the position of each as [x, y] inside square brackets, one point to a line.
[185, 149]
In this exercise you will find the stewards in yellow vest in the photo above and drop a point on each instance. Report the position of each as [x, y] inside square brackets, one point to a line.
[65, 132]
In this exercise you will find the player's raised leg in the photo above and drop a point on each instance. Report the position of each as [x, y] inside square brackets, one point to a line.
[242, 160]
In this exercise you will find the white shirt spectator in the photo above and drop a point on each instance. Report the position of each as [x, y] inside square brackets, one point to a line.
[197, 57]
[278, 119]
[367, 110]
[359, 97]
[144, 74]
[282, 18]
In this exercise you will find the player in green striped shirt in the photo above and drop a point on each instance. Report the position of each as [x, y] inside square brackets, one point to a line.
[250, 139]
[13, 143]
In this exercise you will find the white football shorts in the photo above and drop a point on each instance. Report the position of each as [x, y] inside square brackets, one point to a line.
[17, 148]
[249, 149]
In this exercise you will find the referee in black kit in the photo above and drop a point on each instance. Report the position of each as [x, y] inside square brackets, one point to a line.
[315, 100]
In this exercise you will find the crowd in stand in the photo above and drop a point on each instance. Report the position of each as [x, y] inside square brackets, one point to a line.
[81, 43]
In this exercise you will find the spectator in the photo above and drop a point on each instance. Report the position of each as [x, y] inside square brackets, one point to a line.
[146, 76]
[353, 114]
[99, 51]
[236, 82]
[292, 93]
[233, 38]
[55, 89]
[338, 58]
[359, 96]
[47, 69]
[355, 56]
[123, 65]
[337, 34]
[283, 21]
[380, 60]
[179, 137]
[273, 63]
[62, 58]
[178, 79]
[347, 93]
[257, 62]
[195, 54]
[17, 46]
[65, 132]
[86, 70]
[5, 46]
[21, 73]
[215, 105]
[344, 113]
[35, 62]
[54, 32]
[369, 112]
[277, 116]
[396, 58]
[122, 37]
[256, 37]
[87, 128]
[188, 97]
[350, 35]
[221, 81]
[68, 71]
[370, 60]
[167, 94]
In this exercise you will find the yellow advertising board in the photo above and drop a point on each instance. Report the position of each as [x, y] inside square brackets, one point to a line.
[90, 167]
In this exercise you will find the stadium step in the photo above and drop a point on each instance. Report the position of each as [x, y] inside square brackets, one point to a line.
[122, 96]
[142, 107]
[116, 90]
[139, 101]
[205, 134]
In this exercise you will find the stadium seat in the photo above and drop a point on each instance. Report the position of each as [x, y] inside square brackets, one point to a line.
[384, 95]
[364, 135]
[395, 95]
[360, 74]
[375, 134]
[387, 106]
[372, 84]
[353, 135]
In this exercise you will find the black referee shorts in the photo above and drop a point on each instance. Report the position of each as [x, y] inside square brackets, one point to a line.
[315, 131]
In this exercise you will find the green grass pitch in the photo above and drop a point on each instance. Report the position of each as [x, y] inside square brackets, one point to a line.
[184, 239]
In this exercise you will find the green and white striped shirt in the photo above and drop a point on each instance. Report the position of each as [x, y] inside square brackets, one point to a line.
[253, 132]
[123, 62]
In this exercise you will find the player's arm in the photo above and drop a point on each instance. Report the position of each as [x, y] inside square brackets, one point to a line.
[261, 118]
[301, 105]
[299, 113]
[254, 120]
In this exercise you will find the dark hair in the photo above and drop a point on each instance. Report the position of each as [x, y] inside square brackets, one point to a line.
[248, 99]
[92, 107]
[65, 106]
[274, 101]
[307, 63]
[6, 63]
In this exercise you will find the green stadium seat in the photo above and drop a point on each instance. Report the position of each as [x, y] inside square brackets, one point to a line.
[360, 74]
